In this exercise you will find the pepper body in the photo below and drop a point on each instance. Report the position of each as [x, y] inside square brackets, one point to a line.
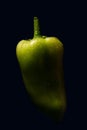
[41, 63]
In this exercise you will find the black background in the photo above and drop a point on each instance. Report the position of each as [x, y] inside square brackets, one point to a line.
[63, 19]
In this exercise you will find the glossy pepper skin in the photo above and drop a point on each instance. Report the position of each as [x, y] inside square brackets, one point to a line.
[41, 63]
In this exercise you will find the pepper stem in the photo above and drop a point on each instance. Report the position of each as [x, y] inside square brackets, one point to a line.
[36, 27]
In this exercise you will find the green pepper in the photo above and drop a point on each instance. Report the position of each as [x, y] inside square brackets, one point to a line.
[41, 63]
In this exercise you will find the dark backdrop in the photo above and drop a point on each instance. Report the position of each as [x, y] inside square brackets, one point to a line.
[63, 19]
